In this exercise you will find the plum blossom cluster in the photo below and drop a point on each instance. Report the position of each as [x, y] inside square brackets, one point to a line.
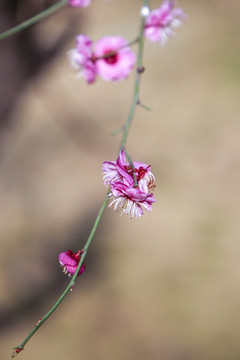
[161, 22]
[129, 187]
[69, 261]
[111, 59]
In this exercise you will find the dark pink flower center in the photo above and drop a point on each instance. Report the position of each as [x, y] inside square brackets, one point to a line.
[111, 57]
[140, 173]
[76, 256]
[154, 25]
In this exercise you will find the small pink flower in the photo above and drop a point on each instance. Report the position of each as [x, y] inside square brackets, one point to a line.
[70, 261]
[119, 64]
[161, 22]
[81, 58]
[129, 200]
[126, 196]
[121, 171]
[79, 3]
[112, 59]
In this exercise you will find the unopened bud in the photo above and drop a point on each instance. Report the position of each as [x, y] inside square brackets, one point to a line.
[145, 11]
[16, 351]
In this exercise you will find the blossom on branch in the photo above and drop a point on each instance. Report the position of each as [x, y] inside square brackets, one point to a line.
[129, 195]
[161, 22]
[79, 3]
[129, 200]
[70, 260]
[81, 58]
[112, 60]
[121, 171]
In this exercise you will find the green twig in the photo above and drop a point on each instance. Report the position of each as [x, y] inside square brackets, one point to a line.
[115, 132]
[144, 106]
[140, 69]
[132, 166]
[34, 19]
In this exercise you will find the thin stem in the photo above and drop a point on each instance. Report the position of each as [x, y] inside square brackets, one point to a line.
[94, 229]
[134, 103]
[140, 69]
[132, 166]
[144, 106]
[115, 132]
[34, 19]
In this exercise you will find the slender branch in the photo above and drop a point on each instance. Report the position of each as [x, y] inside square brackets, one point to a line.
[132, 166]
[140, 69]
[144, 106]
[134, 103]
[34, 19]
[115, 132]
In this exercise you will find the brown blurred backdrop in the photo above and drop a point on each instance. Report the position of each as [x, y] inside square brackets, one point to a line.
[163, 287]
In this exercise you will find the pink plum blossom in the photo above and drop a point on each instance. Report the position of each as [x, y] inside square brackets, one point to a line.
[119, 63]
[121, 171]
[81, 58]
[112, 59]
[161, 22]
[128, 200]
[126, 196]
[70, 260]
[79, 3]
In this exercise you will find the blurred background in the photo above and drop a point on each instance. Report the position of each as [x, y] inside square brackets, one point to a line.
[163, 287]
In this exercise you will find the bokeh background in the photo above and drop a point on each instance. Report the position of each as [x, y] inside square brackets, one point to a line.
[163, 287]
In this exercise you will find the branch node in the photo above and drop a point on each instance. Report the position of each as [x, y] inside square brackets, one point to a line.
[141, 69]
[143, 105]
